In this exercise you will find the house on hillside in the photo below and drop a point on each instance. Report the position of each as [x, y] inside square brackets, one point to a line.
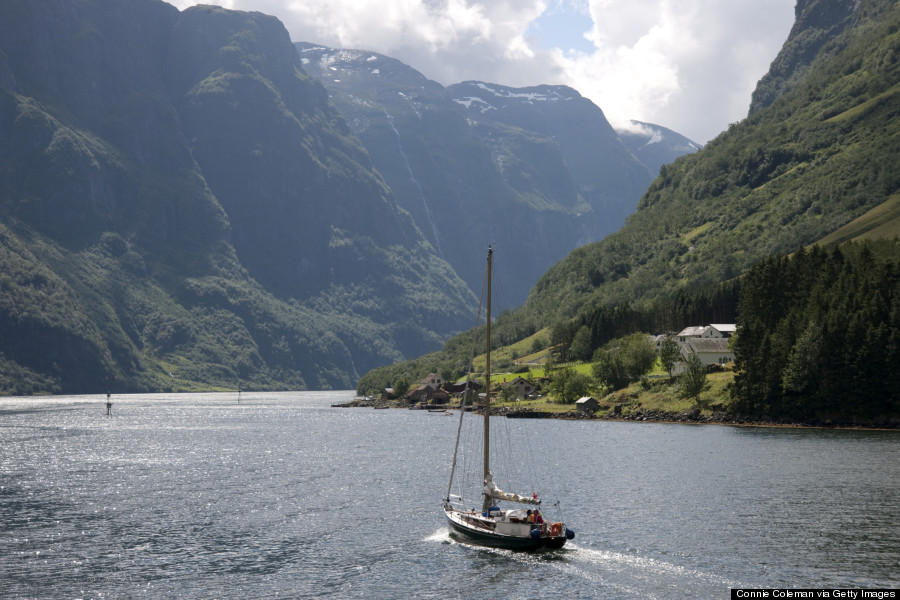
[434, 381]
[705, 332]
[523, 387]
[658, 341]
[709, 343]
[427, 389]
[710, 351]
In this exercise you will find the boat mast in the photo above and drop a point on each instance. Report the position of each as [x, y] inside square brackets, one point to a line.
[487, 378]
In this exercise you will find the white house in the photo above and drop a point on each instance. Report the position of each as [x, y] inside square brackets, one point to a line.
[710, 351]
[709, 343]
[706, 331]
[658, 340]
[726, 329]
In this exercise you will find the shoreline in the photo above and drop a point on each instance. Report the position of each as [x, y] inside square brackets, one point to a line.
[690, 417]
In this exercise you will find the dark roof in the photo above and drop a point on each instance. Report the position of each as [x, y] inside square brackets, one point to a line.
[709, 344]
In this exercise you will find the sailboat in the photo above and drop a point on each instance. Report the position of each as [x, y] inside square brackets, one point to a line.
[491, 525]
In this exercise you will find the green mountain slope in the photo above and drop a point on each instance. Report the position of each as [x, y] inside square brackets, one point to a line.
[820, 156]
[181, 206]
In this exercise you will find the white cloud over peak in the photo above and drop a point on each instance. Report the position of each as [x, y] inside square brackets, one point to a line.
[689, 65]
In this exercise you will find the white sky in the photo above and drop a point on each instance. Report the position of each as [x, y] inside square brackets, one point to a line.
[689, 65]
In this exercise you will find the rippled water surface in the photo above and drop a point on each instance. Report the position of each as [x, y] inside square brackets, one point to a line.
[280, 495]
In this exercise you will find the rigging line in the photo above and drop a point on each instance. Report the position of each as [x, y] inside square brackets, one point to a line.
[512, 471]
[465, 392]
[518, 472]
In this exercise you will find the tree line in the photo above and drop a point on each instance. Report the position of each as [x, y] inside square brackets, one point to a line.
[819, 336]
[579, 338]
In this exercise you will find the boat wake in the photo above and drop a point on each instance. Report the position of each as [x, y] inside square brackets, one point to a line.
[631, 573]
[612, 574]
[441, 535]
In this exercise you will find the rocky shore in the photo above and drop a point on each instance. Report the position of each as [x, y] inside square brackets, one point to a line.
[694, 416]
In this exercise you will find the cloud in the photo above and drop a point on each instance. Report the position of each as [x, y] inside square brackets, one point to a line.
[689, 65]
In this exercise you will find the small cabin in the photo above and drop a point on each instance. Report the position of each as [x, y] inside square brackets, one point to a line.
[587, 405]
[420, 394]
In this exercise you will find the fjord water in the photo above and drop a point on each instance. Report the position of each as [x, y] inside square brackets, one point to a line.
[281, 495]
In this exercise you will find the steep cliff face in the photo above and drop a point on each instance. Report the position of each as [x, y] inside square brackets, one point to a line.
[91, 142]
[444, 174]
[537, 171]
[281, 161]
[180, 205]
[817, 26]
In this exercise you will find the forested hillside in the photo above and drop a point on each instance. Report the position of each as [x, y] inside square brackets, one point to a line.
[818, 157]
[814, 163]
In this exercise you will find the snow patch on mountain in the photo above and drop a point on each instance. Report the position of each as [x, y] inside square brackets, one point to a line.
[553, 95]
[468, 101]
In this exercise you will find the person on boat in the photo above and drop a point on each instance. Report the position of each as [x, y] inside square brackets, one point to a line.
[538, 519]
[530, 518]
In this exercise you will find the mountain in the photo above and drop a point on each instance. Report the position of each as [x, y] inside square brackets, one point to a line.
[654, 145]
[535, 171]
[440, 171]
[602, 170]
[814, 38]
[182, 206]
[813, 163]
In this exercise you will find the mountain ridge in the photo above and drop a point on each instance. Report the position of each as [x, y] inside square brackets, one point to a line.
[504, 179]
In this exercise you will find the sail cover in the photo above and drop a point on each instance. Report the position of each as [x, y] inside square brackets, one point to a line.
[491, 490]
